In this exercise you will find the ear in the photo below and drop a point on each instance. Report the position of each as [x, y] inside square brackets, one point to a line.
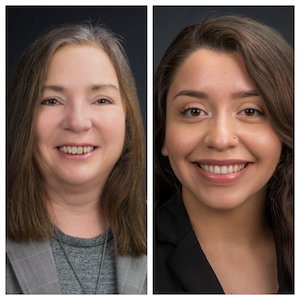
[164, 150]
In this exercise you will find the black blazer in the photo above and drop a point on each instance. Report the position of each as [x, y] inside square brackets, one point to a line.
[180, 265]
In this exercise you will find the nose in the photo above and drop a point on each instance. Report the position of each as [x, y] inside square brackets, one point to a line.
[77, 117]
[221, 134]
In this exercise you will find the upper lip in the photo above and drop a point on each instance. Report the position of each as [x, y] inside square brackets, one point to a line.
[218, 162]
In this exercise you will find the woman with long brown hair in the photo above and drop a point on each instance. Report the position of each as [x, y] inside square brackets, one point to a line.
[76, 166]
[224, 160]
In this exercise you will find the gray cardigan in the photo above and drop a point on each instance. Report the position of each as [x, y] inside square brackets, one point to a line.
[30, 269]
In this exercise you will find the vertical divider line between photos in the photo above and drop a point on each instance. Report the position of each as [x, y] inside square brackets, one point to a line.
[296, 144]
[3, 149]
[150, 145]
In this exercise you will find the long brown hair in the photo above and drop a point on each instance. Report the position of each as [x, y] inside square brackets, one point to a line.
[123, 197]
[269, 62]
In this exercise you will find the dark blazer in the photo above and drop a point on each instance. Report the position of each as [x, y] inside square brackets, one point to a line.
[30, 269]
[180, 265]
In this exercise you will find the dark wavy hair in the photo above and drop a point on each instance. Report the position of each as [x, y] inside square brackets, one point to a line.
[269, 61]
[123, 197]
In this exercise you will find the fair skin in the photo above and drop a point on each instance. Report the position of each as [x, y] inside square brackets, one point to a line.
[223, 150]
[80, 130]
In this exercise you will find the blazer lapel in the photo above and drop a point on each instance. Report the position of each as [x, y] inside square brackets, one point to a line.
[34, 267]
[187, 262]
[195, 275]
[131, 274]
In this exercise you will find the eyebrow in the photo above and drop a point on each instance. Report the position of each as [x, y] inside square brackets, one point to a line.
[203, 95]
[58, 88]
[103, 86]
[55, 88]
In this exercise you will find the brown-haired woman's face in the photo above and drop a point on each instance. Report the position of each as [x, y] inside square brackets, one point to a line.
[220, 144]
[80, 125]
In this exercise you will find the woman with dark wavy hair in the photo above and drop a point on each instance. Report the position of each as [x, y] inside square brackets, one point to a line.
[224, 160]
[76, 219]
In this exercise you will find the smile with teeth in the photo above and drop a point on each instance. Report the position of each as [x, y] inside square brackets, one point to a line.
[76, 150]
[222, 169]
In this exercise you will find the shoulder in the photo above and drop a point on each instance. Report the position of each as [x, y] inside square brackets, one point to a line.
[131, 274]
[20, 255]
[15, 249]
[172, 222]
[12, 285]
[30, 268]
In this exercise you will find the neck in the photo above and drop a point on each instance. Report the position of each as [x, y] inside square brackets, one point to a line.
[77, 212]
[243, 225]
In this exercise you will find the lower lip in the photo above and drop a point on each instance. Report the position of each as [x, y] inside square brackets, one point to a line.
[77, 156]
[222, 179]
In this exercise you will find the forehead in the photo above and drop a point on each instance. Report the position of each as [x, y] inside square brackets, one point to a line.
[209, 69]
[84, 61]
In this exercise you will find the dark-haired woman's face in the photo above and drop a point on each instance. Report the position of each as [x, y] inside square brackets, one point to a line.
[220, 144]
[80, 125]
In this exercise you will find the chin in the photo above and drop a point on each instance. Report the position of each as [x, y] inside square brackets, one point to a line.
[77, 179]
[222, 200]
[224, 205]
[233, 201]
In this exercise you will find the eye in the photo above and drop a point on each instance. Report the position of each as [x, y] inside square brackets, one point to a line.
[192, 112]
[252, 112]
[103, 101]
[50, 102]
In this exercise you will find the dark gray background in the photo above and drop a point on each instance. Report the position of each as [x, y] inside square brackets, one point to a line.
[25, 23]
[170, 20]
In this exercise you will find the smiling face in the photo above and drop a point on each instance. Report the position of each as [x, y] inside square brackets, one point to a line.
[220, 144]
[80, 126]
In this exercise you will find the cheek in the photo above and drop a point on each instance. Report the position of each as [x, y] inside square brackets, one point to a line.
[41, 140]
[179, 141]
[267, 147]
[173, 145]
[112, 127]
[275, 149]
[43, 129]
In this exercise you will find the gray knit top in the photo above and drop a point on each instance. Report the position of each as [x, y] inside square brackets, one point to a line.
[85, 256]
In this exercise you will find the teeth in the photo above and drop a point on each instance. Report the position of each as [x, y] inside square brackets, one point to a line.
[217, 170]
[76, 150]
[222, 169]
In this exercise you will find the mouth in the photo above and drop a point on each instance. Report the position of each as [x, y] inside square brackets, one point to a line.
[222, 172]
[223, 169]
[80, 150]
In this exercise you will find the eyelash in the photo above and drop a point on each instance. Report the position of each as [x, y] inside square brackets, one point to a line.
[187, 110]
[107, 101]
[255, 109]
[47, 102]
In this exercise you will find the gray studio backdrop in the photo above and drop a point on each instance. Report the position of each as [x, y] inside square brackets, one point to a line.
[170, 20]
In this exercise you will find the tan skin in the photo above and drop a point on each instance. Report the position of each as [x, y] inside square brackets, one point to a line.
[215, 117]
